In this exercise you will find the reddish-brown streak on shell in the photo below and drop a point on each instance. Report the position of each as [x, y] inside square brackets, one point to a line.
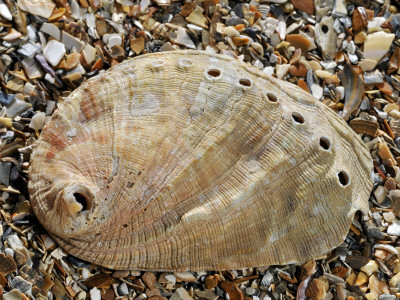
[194, 161]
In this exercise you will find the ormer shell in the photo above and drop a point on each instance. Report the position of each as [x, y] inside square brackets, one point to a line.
[192, 161]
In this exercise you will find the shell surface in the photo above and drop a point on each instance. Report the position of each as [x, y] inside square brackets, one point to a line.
[192, 161]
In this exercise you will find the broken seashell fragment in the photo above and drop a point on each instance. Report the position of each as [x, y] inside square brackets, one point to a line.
[212, 177]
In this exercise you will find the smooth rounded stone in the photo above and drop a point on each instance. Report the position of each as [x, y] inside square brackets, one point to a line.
[5, 12]
[353, 58]
[21, 284]
[233, 21]
[120, 274]
[250, 291]
[339, 90]
[41, 8]
[268, 70]
[9, 251]
[122, 289]
[377, 45]
[375, 233]
[14, 242]
[182, 38]
[183, 294]
[374, 77]
[230, 31]
[37, 121]
[14, 294]
[54, 52]
[171, 278]
[328, 64]
[281, 70]
[326, 37]
[394, 228]
[95, 294]
[370, 268]
[258, 48]
[317, 91]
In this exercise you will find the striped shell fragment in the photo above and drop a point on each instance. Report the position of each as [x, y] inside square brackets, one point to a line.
[185, 160]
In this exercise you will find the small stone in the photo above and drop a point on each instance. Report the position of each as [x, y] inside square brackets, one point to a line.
[370, 268]
[317, 91]
[298, 70]
[187, 8]
[9, 252]
[120, 274]
[112, 40]
[183, 39]
[281, 70]
[5, 12]
[14, 294]
[211, 282]
[123, 289]
[186, 276]
[7, 264]
[37, 121]
[386, 297]
[250, 291]
[299, 41]
[51, 30]
[184, 295]
[11, 35]
[374, 77]
[197, 18]
[394, 228]
[230, 31]
[31, 68]
[339, 8]
[42, 8]
[137, 45]
[21, 284]
[233, 21]
[387, 248]
[89, 53]
[171, 278]
[71, 42]
[20, 258]
[54, 52]
[377, 45]
[95, 294]
[307, 6]
[375, 233]
[14, 242]
[209, 295]
[29, 49]
[367, 64]
[149, 279]
[240, 40]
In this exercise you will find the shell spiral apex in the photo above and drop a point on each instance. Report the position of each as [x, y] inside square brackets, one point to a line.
[192, 161]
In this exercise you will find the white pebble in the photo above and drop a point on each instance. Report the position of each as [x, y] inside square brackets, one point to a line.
[37, 121]
[230, 31]
[394, 228]
[4, 11]
[95, 294]
[316, 91]
[171, 278]
[54, 52]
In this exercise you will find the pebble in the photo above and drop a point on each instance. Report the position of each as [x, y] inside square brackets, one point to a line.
[51, 30]
[95, 294]
[6, 98]
[326, 37]
[54, 52]
[183, 39]
[339, 8]
[5, 12]
[374, 77]
[41, 8]
[250, 291]
[184, 295]
[233, 21]
[209, 295]
[282, 70]
[377, 45]
[14, 294]
[71, 42]
[387, 247]
[386, 297]
[123, 289]
[21, 284]
[230, 31]
[370, 268]
[316, 91]
[37, 121]
[394, 228]
[376, 233]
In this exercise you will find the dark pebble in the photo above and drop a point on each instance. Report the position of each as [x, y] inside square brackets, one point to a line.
[276, 10]
[252, 32]
[238, 10]
[375, 233]
[8, 231]
[234, 21]
[77, 262]
[6, 98]
[14, 173]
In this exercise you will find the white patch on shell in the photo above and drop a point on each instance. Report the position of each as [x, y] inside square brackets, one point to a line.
[71, 133]
[149, 104]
